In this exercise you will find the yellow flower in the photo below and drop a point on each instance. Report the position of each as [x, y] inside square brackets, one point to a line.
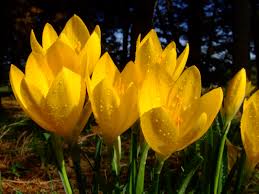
[235, 94]
[174, 116]
[113, 97]
[250, 129]
[52, 91]
[149, 54]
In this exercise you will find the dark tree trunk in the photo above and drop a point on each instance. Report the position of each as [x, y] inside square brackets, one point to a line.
[255, 30]
[241, 33]
[142, 22]
[194, 32]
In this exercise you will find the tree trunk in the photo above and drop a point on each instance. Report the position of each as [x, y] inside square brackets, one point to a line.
[241, 33]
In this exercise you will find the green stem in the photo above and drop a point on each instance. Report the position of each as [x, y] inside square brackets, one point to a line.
[97, 164]
[220, 156]
[158, 168]
[141, 171]
[57, 146]
[116, 156]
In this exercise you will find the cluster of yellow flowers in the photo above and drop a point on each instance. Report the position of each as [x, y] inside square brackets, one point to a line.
[66, 79]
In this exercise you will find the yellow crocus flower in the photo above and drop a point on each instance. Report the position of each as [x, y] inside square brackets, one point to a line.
[250, 129]
[52, 91]
[235, 94]
[174, 116]
[149, 54]
[113, 96]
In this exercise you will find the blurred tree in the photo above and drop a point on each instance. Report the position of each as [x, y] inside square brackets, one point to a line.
[255, 30]
[241, 32]
[194, 32]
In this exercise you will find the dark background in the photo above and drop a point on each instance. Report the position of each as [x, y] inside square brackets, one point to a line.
[223, 34]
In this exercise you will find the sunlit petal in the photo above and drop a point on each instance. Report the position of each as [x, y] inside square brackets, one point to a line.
[105, 68]
[64, 101]
[92, 50]
[105, 103]
[75, 33]
[35, 46]
[250, 133]
[181, 62]
[60, 55]
[185, 91]
[35, 74]
[49, 36]
[159, 132]
[24, 98]
[235, 95]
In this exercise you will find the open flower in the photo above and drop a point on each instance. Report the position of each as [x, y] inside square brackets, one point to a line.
[174, 116]
[52, 91]
[149, 54]
[113, 97]
[250, 129]
[234, 95]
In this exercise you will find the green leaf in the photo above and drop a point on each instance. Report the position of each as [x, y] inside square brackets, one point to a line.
[188, 173]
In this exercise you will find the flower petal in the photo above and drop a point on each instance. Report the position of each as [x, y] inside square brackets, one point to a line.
[185, 91]
[250, 132]
[24, 97]
[36, 72]
[105, 69]
[159, 132]
[150, 94]
[148, 51]
[209, 104]
[35, 46]
[60, 55]
[64, 102]
[128, 107]
[235, 94]
[75, 33]
[181, 62]
[92, 50]
[105, 103]
[49, 36]
[168, 58]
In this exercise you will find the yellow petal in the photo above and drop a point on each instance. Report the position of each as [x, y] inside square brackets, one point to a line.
[35, 46]
[185, 91]
[92, 50]
[150, 94]
[159, 132]
[35, 72]
[75, 33]
[168, 59]
[253, 99]
[209, 104]
[129, 73]
[181, 62]
[196, 132]
[250, 133]
[105, 69]
[64, 102]
[25, 99]
[60, 55]
[149, 51]
[49, 36]
[105, 103]
[84, 117]
[128, 107]
[235, 94]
